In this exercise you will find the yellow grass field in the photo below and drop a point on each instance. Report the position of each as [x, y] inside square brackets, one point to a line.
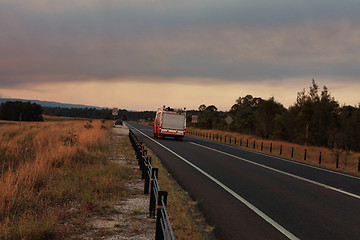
[348, 161]
[49, 167]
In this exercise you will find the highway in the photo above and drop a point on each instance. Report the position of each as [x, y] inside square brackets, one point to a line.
[249, 195]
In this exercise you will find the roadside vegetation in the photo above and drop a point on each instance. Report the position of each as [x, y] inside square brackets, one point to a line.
[315, 122]
[53, 176]
[315, 119]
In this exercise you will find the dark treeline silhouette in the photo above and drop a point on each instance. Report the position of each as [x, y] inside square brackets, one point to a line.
[21, 111]
[134, 116]
[98, 114]
[78, 112]
[316, 118]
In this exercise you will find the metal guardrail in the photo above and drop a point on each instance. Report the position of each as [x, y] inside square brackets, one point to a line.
[158, 198]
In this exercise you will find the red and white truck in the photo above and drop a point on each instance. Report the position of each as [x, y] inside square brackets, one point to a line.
[170, 122]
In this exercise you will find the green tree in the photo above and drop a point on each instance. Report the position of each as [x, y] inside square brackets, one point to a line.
[209, 117]
[21, 111]
[266, 114]
[243, 113]
[315, 116]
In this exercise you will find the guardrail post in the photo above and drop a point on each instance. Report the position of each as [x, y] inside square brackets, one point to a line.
[162, 197]
[280, 149]
[147, 176]
[254, 145]
[337, 160]
[305, 155]
[154, 173]
[235, 140]
[143, 164]
[292, 152]
[262, 146]
[270, 147]
[138, 154]
[359, 165]
[320, 158]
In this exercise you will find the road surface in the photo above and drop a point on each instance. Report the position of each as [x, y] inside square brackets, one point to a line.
[249, 195]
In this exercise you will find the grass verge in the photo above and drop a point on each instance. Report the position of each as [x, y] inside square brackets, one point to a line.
[186, 219]
[53, 176]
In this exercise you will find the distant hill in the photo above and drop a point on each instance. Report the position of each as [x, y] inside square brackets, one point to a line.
[51, 104]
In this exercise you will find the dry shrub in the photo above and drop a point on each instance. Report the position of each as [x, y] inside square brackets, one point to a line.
[31, 156]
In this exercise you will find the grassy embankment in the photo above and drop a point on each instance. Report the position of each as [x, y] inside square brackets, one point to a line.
[53, 176]
[348, 160]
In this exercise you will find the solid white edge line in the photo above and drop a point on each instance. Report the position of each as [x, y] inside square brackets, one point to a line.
[279, 171]
[248, 204]
[283, 159]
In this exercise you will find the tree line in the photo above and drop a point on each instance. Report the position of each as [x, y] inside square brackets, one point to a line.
[316, 118]
[21, 111]
[26, 111]
[98, 113]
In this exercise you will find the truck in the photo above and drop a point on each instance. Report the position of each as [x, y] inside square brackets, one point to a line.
[170, 122]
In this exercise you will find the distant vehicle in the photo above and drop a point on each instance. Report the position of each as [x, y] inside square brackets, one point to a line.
[118, 122]
[170, 122]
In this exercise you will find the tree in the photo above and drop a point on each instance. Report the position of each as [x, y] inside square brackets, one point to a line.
[209, 117]
[21, 111]
[315, 116]
[202, 107]
[266, 113]
[243, 113]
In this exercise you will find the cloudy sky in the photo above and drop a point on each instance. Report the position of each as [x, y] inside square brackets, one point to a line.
[142, 54]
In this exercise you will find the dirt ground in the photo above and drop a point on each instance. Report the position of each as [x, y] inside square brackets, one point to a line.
[130, 218]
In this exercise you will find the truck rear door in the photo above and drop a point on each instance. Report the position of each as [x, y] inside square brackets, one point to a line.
[173, 121]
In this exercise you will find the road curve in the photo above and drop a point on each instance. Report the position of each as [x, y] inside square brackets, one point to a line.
[248, 195]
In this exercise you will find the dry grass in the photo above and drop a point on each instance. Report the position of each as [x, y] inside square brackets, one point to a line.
[348, 161]
[48, 118]
[52, 173]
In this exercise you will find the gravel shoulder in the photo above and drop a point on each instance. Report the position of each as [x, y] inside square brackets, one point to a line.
[129, 218]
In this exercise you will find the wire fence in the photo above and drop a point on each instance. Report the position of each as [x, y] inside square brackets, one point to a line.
[313, 155]
[158, 198]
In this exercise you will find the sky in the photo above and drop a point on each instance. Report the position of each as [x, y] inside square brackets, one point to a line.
[143, 54]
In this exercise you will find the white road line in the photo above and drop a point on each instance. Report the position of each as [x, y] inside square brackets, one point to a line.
[283, 159]
[248, 204]
[279, 171]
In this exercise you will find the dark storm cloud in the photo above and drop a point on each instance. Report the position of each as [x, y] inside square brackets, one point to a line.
[230, 40]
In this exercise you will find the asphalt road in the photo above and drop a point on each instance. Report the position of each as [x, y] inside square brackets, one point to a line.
[248, 195]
